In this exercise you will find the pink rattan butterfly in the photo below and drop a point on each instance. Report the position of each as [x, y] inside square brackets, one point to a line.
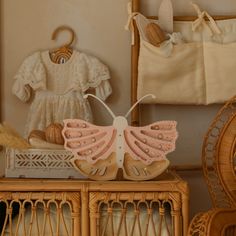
[100, 151]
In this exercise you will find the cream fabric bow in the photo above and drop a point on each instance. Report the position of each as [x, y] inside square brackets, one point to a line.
[167, 46]
[212, 27]
[130, 24]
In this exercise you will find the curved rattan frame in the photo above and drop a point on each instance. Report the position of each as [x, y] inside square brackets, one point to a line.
[218, 155]
[215, 222]
[216, 161]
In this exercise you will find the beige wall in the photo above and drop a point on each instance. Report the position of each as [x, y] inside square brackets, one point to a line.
[27, 26]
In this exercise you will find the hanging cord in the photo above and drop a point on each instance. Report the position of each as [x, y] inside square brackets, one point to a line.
[130, 24]
[212, 27]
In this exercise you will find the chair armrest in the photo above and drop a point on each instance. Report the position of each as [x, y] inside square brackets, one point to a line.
[217, 222]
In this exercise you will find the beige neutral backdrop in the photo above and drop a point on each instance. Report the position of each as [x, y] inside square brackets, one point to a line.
[27, 25]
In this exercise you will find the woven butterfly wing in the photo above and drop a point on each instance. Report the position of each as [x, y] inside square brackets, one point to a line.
[93, 148]
[146, 149]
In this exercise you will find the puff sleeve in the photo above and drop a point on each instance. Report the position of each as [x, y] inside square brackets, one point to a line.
[31, 75]
[98, 78]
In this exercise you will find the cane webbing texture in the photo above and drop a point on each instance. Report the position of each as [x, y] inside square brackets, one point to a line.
[130, 214]
[218, 157]
[40, 214]
[219, 161]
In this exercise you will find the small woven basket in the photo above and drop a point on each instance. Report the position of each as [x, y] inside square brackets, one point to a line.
[39, 163]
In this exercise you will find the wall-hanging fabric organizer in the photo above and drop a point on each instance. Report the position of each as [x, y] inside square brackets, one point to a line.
[194, 65]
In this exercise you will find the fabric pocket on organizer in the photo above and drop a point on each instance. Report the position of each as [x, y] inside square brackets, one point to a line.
[176, 79]
[195, 65]
[220, 71]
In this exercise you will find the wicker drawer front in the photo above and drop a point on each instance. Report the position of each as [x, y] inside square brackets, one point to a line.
[40, 213]
[135, 213]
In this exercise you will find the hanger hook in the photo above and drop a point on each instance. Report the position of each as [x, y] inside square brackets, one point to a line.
[62, 28]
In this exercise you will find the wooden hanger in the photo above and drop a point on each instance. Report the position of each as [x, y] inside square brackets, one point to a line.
[62, 54]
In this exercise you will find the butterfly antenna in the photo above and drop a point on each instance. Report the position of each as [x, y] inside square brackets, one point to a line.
[104, 104]
[135, 104]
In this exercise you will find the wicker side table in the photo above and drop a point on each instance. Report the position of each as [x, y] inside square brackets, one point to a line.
[85, 197]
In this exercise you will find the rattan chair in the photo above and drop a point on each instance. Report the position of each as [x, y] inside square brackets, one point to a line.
[219, 167]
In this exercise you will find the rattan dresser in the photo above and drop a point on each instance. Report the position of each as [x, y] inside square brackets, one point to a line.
[89, 201]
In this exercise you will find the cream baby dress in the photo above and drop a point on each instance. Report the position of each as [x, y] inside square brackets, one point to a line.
[59, 88]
